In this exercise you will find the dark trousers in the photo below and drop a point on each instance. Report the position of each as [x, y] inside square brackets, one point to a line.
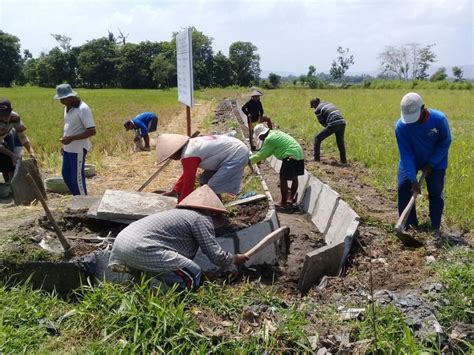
[434, 185]
[73, 172]
[326, 132]
[10, 141]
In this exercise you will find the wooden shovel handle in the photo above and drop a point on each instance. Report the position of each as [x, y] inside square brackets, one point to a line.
[402, 220]
[270, 238]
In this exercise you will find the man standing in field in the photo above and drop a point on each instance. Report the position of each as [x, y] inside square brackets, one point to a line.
[287, 149]
[223, 159]
[331, 119]
[142, 124]
[164, 244]
[12, 139]
[253, 109]
[78, 128]
[423, 138]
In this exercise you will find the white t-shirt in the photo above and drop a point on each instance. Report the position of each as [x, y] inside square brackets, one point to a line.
[214, 150]
[77, 121]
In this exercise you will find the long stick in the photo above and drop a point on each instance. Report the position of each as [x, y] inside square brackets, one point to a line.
[65, 244]
[272, 237]
[165, 164]
[400, 226]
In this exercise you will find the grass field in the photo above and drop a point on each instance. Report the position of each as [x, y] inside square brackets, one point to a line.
[371, 116]
[370, 138]
[43, 117]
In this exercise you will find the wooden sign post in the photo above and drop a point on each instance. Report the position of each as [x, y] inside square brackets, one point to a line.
[184, 66]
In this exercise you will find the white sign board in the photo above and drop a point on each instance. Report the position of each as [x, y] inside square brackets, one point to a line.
[184, 65]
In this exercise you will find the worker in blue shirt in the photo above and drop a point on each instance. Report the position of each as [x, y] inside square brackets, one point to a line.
[423, 139]
[142, 124]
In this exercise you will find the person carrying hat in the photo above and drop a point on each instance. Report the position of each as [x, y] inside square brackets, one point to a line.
[331, 119]
[223, 159]
[289, 151]
[253, 109]
[79, 126]
[423, 138]
[142, 124]
[164, 244]
[12, 139]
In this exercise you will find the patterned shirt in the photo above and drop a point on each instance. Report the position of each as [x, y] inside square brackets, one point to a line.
[10, 123]
[159, 242]
[328, 115]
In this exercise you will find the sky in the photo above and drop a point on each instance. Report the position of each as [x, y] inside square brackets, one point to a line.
[290, 35]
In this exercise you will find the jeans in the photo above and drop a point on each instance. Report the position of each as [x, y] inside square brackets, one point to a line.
[326, 132]
[187, 277]
[434, 185]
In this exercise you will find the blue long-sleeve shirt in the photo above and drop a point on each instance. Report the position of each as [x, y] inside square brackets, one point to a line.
[142, 121]
[423, 143]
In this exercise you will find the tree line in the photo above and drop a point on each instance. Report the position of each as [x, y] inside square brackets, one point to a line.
[112, 62]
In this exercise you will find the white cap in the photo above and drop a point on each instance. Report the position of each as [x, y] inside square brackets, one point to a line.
[259, 130]
[411, 107]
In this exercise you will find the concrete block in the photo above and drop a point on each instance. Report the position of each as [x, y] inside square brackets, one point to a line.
[250, 236]
[325, 261]
[302, 184]
[272, 161]
[203, 261]
[311, 194]
[324, 208]
[341, 224]
[126, 205]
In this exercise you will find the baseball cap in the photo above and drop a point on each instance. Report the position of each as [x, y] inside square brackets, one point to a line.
[260, 129]
[411, 107]
[5, 107]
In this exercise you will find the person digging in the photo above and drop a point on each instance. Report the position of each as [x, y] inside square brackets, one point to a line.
[142, 124]
[164, 244]
[288, 150]
[223, 159]
[253, 109]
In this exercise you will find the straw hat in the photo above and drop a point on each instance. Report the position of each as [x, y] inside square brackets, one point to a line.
[203, 198]
[255, 92]
[168, 144]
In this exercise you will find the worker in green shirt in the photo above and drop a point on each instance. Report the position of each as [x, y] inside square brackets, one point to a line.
[287, 149]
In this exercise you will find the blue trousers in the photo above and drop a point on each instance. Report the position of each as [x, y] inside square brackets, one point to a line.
[188, 277]
[73, 172]
[435, 187]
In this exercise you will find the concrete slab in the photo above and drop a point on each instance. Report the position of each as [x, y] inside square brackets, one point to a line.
[126, 205]
[321, 262]
[244, 201]
[311, 194]
[324, 208]
[277, 166]
[83, 202]
[343, 218]
[272, 161]
[250, 236]
[302, 184]
[23, 192]
[203, 261]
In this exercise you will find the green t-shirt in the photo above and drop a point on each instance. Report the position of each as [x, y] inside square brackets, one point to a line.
[279, 144]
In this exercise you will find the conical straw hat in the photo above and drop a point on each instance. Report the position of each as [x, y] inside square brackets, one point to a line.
[203, 198]
[255, 92]
[168, 144]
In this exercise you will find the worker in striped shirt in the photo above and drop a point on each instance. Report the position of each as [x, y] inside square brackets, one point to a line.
[331, 119]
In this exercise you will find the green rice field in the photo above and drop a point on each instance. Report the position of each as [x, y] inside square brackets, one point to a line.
[370, 114]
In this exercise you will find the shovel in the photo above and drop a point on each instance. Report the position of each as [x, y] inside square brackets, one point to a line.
[269, 239]
[405, 238]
